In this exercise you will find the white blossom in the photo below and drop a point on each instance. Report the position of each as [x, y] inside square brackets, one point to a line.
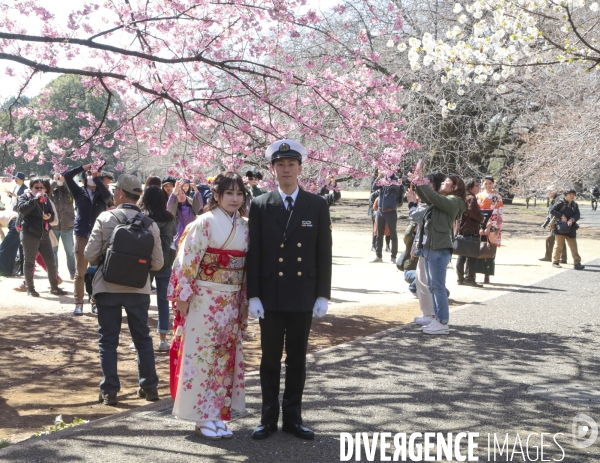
[594, 7]
[501, 89]
[414, 43]
[416, 87]
[390, 43]
[451, 106]
[460, 91]
[401, 47]
[457, 8]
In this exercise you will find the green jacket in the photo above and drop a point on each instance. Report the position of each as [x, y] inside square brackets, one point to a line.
[446, 209]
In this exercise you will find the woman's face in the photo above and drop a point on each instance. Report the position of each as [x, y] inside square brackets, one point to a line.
[447, 187]
[231, 200]
[475, 189]
[181, 196]
[488, 185]
[185, 187]
[168, 188]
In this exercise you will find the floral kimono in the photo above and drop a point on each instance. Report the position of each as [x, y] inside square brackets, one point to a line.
[209, 272]
[491, 206]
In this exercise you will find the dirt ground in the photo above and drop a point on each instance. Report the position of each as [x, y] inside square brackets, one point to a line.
[50, 358]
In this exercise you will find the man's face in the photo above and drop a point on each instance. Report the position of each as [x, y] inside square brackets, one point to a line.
[570, 197]
[287, 171]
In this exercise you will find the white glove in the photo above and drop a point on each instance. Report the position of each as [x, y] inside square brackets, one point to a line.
[256, 309]
[320, 307]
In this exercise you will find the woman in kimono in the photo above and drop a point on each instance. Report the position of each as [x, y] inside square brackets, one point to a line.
[206, 285]
[492, 208]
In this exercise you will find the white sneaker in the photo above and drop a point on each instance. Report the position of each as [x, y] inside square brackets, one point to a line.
[132, 346]
[377, 260]
[435, 327]
[424, 320]
[163, 346]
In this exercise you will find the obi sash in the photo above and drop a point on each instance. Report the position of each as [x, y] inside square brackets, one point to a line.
[222, 266]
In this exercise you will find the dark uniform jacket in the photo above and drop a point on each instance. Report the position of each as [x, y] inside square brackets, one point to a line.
[88, 209]
[289, 267]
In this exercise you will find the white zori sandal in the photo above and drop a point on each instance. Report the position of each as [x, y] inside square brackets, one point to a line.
[207, 429]
[222, 430]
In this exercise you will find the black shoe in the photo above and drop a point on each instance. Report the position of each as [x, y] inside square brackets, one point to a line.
[263, 431]
[151, 395]
[299, 430]
[33, 293]
[563, 261]
[545, 259]
[578, 267]
[556, 265]
[472, 283]
[460, 282]
[58, 292]
[108, 398]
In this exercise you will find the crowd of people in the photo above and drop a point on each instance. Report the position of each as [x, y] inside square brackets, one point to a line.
[193, 241]
[221, 252]
[444, 210]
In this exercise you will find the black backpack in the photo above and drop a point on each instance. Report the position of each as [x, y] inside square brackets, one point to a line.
[129, 255]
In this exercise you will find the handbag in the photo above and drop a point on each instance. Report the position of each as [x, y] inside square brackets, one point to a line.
[467, 246]
[563, 228]
[487, 250]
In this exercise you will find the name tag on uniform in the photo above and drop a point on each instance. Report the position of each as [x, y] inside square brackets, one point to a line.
[306, 223]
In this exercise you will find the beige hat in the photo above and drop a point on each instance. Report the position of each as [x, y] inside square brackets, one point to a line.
[130, 184]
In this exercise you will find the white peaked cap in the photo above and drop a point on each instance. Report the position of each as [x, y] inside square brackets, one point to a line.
[286, 149]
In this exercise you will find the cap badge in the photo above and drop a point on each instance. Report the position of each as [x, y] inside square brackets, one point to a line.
[284, 147]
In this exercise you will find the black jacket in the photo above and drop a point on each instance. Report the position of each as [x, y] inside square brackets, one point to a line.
[560, 208]
[87, 210]
[31, 210]
[289, 267]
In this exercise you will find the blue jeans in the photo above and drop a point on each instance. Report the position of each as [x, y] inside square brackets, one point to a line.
[164, 310]
[8, 250]
[67, 239]
[436, 263]
[410, 277]
[109, 326]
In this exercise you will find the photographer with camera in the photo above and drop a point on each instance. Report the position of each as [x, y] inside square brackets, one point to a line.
[91, 200]
[37, 214]
[553, 197]
[566, 214]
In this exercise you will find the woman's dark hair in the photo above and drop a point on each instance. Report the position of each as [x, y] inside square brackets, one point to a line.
[33, 181]
[570, 190]
[153, 180]
[155, 206]
[226, 181]
[490, 178]
[460, 190]
[470, 184]
[436, 178]
[47, 186]
[258, 175]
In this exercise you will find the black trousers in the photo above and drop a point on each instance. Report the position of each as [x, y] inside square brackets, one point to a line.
[277, 328]
[391, 219]
[465, 268]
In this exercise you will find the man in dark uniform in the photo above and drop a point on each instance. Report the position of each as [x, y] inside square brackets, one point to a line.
[289, 281]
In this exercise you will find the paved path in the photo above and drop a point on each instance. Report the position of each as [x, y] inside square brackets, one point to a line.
[541, 338]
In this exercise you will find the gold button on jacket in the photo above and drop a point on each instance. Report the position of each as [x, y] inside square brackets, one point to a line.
[281, 259]
[299, 274]
[280, 274]
[299, 259]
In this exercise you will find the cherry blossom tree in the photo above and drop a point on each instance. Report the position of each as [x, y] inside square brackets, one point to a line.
[206, 82]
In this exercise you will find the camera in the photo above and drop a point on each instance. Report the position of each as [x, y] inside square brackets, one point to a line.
[546, 222]
[43, 199]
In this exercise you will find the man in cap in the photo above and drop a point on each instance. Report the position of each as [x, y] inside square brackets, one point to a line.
[18, 190]
[111, 297]
[289, 281]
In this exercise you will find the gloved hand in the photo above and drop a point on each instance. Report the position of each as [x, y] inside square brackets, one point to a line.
[320, 308]
[256, 308]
